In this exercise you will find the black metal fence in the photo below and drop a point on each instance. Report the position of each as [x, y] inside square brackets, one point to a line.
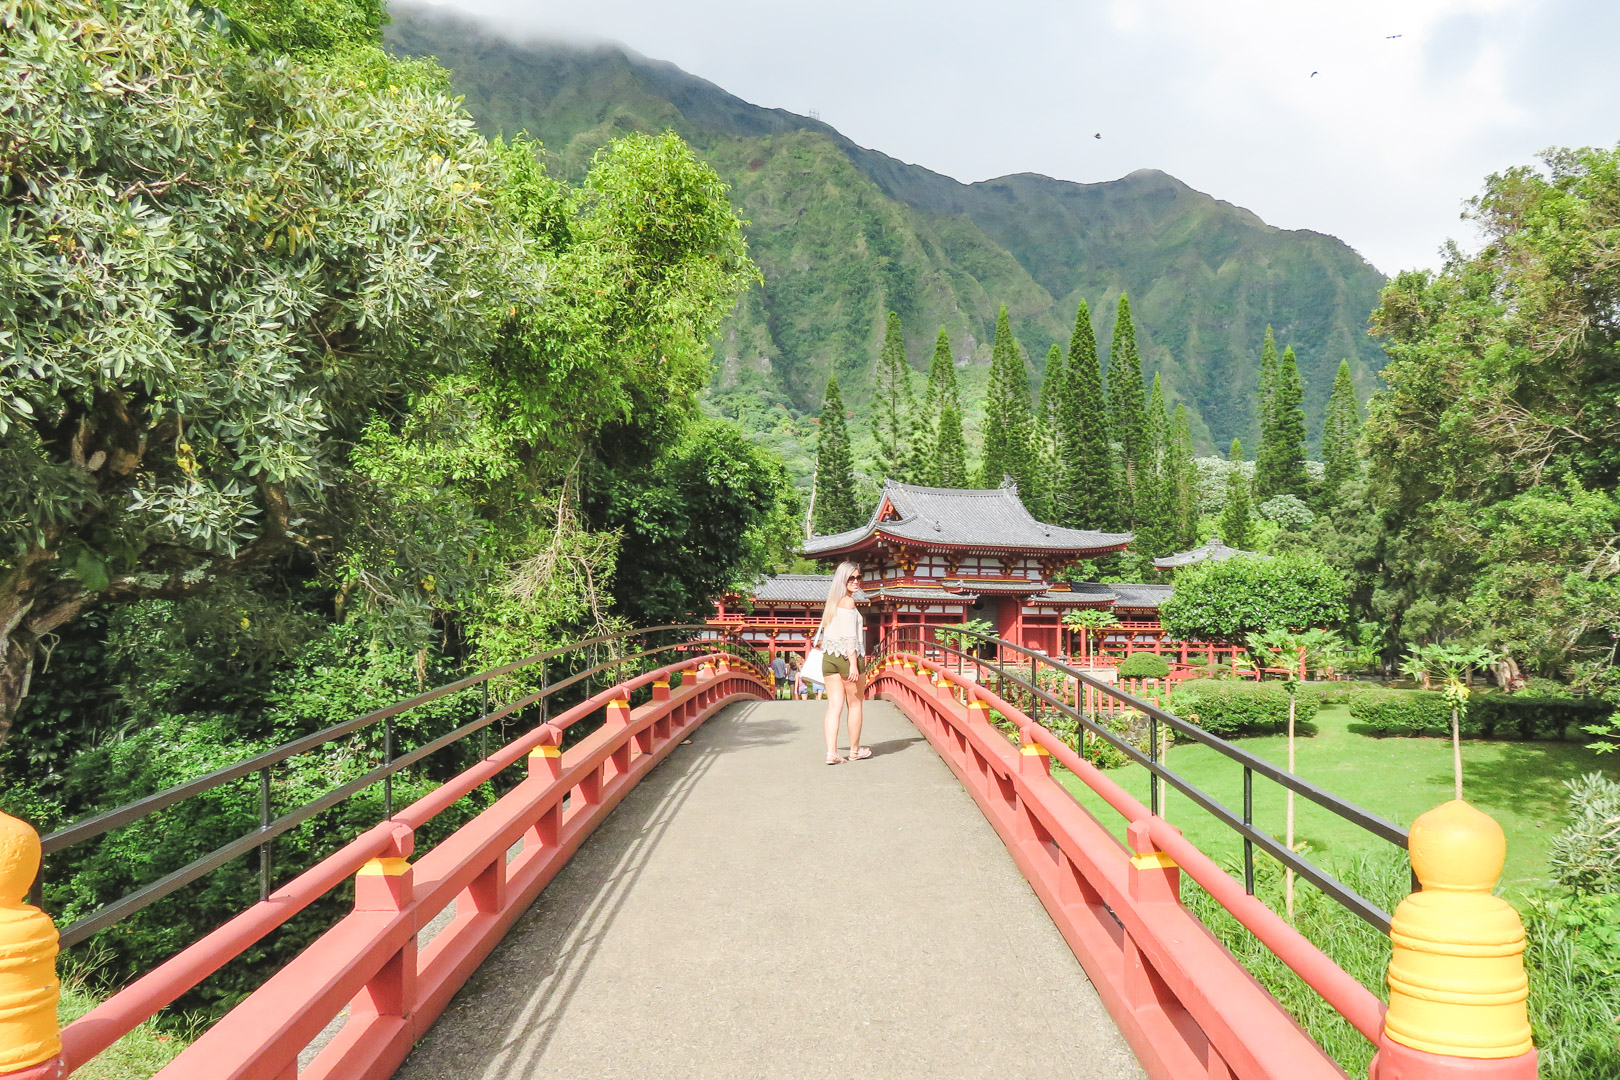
[559, 676]
[1018, 671]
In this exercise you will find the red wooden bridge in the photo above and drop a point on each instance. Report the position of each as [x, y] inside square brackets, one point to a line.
[748, 913]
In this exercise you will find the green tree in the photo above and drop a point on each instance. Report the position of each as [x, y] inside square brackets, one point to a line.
[894, 410]
[1341, 428]
[833, 497]
[944, 436]
[1183, 474]
[1279, 466]
[196, 334]
[1008, 431]
[1266, 387]
[1127, 403]
[951, 449]
[1088, 470]
[1155, 493]
[1228, 601]
[1237, 516]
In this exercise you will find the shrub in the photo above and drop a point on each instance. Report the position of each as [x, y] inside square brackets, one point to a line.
[1144, 665]
[1532, 715]
[1490, 714]
[1240, 708]
[1404, 712]
[1585, 856]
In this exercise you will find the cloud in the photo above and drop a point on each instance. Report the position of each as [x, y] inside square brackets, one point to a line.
[1380, 148]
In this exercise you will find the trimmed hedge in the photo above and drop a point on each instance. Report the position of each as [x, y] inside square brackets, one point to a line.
[1144, 665]
[1490, 714]
[1229, 707]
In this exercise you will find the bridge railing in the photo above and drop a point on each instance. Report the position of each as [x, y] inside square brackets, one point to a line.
[552, 809]
[1170, 986]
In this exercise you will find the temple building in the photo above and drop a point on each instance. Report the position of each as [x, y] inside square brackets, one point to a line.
[942, 556]
[1214, 551]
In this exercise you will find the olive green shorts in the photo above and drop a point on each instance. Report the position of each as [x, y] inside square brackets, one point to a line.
[835, 665]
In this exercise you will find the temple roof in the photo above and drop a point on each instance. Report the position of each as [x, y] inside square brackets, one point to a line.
[1214, 551]
[1141, 596]
[793, 589]
[991, 518]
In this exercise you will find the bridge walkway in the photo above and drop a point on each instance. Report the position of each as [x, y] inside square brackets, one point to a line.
[748, 911]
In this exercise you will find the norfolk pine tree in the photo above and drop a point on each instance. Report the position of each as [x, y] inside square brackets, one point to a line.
[1341, 426]
[1184, 481]
[893, 407]
[1088, 470]
[1127, 402]
[1155, 527]
[1267, 384]
[1279, 467]
[1008, 439]
[1236, 517]
[1044, 434]
[936, 428]
[835, 508]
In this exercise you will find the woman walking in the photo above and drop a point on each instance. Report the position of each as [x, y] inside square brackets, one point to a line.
[843, 638]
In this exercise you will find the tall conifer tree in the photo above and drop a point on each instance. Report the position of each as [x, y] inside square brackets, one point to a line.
[951, 449]
[1279, 466]
[1341, 427]
[894, 410]
[1127, 402]
[1088, 470]
[1008, 449]
[1236, 518]
[942, 420]
[1044, 433]
[1268, 381]
[835, 507]
[1184, 477]
[1155, 499]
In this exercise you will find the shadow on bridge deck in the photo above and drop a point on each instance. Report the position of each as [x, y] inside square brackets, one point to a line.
[748, 911]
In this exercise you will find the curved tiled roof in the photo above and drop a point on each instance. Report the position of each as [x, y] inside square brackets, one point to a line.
[1141, 596]
[993, 518]
[1214, 551]
[793, 588]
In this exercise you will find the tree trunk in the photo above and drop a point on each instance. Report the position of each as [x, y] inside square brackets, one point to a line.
[1456, 750]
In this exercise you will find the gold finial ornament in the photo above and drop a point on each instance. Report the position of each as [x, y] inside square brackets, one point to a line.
[28, 947]
[1456, 977]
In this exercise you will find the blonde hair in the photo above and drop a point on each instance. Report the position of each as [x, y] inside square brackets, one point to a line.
[840, 588]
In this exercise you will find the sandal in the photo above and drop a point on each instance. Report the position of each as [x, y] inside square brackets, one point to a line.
[834, 759]
[861, 754]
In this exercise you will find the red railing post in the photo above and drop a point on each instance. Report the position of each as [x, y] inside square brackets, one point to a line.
[386, 885]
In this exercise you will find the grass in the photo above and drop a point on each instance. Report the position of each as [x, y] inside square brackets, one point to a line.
[136, 1056]
[1520, 784]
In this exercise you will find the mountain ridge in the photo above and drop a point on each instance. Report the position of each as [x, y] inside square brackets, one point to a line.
[840, 244]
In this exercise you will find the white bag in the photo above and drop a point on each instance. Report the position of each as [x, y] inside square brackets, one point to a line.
[811, 671]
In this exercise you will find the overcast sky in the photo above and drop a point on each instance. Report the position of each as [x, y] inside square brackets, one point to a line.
[1380, 147]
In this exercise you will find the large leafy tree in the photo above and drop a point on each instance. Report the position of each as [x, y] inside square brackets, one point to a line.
[1127, 404]
[834, 503]
[1498, 422]
[1087, 466]
[1230, 600]
[212, 265]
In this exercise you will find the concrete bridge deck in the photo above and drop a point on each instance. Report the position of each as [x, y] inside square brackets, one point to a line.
[748, 911]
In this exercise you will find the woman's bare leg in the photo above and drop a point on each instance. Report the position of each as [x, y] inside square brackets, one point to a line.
[835, 705]
[855, 692]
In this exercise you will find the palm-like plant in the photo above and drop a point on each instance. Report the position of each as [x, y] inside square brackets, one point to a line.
[1090, 621]
[1295, 653]
[1455, 665]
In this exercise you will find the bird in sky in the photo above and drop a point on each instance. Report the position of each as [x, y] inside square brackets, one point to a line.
[1313, 74]
[1391, 37]
[1097, 136]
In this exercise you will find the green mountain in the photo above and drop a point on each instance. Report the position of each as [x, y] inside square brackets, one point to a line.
[844, 234]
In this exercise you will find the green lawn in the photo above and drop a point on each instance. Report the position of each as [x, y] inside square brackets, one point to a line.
[1518, 783]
